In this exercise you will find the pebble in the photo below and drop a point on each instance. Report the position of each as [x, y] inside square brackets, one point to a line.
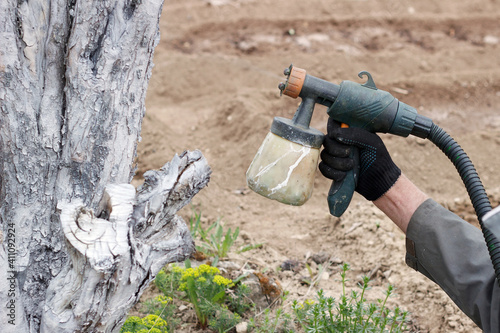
[242, 327]
[320, 257]
[491, 40]
[291, 265]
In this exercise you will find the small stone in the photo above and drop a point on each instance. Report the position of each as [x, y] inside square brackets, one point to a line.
[336, 261]
[229, 265]
[491, 40]
[320, 257]
[291, 265]
[246, 46]
[242, 327]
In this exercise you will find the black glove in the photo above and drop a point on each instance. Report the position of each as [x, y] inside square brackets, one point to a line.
[377, 174]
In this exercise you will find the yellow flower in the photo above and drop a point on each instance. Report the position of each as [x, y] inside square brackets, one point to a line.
[161, 272]
[153, 321]
[133, 320]
[222, 281]
[151, 330]
[190, 272]
[309, 301]
[208, 269]
[163, 299]
[202, 279]
[176, 269]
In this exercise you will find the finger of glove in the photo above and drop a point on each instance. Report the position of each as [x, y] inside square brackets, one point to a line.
[332, 125]
[335, 148]
[358, 137]
[331, 173]
[339, 163]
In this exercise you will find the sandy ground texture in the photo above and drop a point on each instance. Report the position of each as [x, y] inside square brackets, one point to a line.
[214, 88]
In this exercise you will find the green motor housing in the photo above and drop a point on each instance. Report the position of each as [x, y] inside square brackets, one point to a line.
[365, 106]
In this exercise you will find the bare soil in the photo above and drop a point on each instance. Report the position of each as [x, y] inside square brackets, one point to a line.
[214, 88]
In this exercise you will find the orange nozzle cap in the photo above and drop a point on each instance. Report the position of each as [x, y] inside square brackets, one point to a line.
[295, 82]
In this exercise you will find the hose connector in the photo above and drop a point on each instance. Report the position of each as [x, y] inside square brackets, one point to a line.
[422, 126]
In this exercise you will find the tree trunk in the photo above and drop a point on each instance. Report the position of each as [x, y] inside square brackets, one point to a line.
[79, 244]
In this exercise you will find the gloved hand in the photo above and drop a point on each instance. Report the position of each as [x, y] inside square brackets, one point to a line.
[377, 174]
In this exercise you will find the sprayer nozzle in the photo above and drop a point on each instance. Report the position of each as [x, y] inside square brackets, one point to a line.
[288, 70]
[294, 82]
[281, 87]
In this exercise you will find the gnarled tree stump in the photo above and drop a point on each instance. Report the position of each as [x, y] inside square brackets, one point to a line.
[79, 244]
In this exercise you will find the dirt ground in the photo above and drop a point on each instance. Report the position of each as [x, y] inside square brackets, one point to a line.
[214, 88]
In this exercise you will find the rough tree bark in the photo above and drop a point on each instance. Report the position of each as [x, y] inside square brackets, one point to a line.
[79, 244]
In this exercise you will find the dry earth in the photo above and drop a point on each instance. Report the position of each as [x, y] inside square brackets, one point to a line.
[214, 88]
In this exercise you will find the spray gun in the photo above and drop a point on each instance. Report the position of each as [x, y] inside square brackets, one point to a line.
[353, 104]
[284, 166]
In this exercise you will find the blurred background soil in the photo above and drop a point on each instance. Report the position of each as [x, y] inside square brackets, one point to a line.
[214, 88]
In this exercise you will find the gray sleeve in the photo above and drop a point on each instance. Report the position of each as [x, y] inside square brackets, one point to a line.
[453, 254]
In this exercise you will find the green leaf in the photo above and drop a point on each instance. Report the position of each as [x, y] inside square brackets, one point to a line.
[193, 298]
[250, 247]
[219, 296]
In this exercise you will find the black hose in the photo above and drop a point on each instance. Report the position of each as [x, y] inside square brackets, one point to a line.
[474, 187]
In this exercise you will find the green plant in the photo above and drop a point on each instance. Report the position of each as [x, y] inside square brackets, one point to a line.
[163, 307]
[351, 314]
[149, 324]
[214, 241]
[250, 247]
[223, 319]
[314, 279]
[160, 317]
[238, 302]
[279, 321]
[168, 281]
[217, 301]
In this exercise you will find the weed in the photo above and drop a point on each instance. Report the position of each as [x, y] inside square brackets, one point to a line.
[214, 241]
[150, 323]
[250, 247]
[351, 314]
[217, 301]
[279, 321]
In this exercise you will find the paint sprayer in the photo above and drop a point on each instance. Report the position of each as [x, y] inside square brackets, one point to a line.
[285, 164]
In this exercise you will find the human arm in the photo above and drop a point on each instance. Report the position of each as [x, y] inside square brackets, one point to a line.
[446, 249]
[401, 201]
[440, 245]
[452, 253]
